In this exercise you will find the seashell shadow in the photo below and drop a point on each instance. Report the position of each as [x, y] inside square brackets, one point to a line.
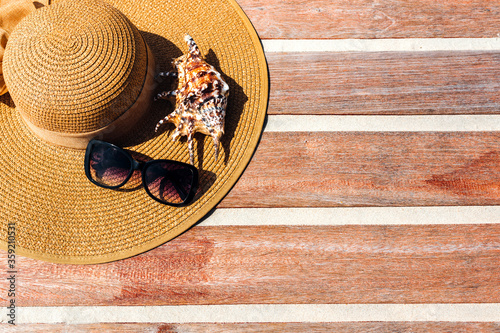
[236, 102]
[165, 51]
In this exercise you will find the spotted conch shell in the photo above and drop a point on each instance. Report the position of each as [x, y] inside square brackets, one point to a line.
[200, 99]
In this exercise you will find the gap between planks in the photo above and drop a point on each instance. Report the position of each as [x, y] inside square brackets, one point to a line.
[353, 216]
[386, 123]
[293, 327]
[381, 45]
[255, 313]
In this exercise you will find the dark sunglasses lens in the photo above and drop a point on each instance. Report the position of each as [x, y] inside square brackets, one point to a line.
[108, 166]
[169, 182]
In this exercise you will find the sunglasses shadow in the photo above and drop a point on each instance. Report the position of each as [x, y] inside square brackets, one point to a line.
[205, 181]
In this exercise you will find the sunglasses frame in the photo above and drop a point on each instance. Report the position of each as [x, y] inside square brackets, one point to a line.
[142, 167]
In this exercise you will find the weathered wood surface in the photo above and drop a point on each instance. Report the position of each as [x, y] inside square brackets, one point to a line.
[368, 19]
[326, 169]
[384, 83]
[283, 265]
[348, 327]
[331, 264]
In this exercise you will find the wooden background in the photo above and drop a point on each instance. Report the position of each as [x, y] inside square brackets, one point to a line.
[433, 261]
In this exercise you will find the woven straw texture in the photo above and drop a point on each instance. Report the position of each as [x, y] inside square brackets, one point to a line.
[83, 62]
[61, 217]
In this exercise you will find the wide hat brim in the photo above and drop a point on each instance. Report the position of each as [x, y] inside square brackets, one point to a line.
[56, 214]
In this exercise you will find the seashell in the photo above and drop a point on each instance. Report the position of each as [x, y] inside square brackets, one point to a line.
[200, 98]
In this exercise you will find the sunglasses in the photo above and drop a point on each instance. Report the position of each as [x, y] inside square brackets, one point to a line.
[169, 182]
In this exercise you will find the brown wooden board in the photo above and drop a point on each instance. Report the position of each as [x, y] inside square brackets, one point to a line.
[348, 327]
[282, 265]
[299, 19]
[327, 169]
[397, 83]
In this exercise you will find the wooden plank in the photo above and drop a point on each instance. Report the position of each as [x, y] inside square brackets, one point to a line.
[402, 83]
[329, 169]
[351, 327]
[323, 19]
[282, 265]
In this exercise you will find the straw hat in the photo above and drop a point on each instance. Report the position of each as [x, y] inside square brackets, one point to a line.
[74, 70]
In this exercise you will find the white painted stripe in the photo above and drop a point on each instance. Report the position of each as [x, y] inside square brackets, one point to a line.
[428, 123]
[260, 313]
[354, 216]
[381, 45]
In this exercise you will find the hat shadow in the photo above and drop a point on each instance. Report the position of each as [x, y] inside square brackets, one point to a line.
[163, 49]
[164, 52]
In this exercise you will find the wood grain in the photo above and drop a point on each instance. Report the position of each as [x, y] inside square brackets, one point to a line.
[368, 19]
[350, 327]
[330, 169]
[282, 265]
[331, 264]
[384, 83]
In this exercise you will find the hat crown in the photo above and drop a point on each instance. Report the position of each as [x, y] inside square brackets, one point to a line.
[75, 66]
